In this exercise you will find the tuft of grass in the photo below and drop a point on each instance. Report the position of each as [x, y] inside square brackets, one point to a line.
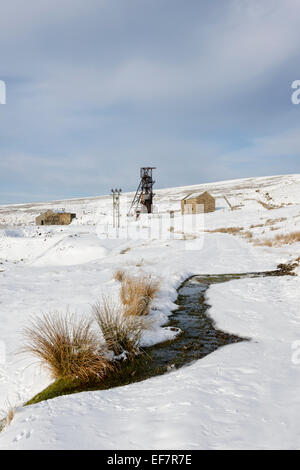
[247, 234]
[67, 347]
[257, 226]
[231, 230]
[119, 275]
[137, 293]
[122, 333]
[279, 240]
[275, 221]
[189, 236]
[9, 416]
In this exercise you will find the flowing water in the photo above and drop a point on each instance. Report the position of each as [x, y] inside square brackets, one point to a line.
[199, 337]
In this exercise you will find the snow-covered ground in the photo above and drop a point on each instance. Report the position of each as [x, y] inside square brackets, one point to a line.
[244, 395]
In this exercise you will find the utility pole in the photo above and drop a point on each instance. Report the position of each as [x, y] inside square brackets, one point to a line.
[172, 224]
[116, 207]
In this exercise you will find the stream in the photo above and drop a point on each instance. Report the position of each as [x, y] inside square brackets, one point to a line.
[199, 337]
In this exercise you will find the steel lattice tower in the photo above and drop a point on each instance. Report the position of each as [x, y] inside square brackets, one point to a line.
[144, 193]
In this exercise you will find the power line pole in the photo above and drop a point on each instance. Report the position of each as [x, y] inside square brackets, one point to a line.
[116, 207]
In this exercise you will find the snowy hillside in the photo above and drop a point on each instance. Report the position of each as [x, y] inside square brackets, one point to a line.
[241, 396]
[282, 189]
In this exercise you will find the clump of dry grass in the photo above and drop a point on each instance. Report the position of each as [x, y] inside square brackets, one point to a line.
[122, 333]
[288, 239]
[119, 275]
[189, 236]
[138, 307]
[247, 234]
[9, 416]
[279, 240]
[137, 293]
[67, 347]
[274, 221]
[232, 230]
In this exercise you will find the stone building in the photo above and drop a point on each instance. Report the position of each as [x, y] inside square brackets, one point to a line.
[197, 203]
[55, 218]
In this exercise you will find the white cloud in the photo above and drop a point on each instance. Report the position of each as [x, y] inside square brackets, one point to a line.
[98, 83]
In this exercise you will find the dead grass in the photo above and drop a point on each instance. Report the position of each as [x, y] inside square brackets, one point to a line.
[231, 230]
[275, 221]
[189, 236]
[5, 422]
[67, 347]
[119, 275]
[122, 333]
[247, 234]
[137, 293]
[257, 226]
[279, 240]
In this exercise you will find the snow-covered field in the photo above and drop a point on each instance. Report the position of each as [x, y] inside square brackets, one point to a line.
[244, 395]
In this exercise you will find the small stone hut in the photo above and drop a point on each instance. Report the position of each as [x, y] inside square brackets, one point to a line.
[197, 203]
[55, 218]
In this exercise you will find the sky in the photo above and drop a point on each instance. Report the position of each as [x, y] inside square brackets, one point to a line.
[95, 89]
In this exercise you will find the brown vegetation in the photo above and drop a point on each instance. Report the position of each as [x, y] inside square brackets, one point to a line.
[257, 226]
[137, 293]
[67, 347]
[119, 275]
[189, 236]
[247, 234]
[4, 422]
[286, 269]
[122, 333]
[279, 240]
[275, 221]
[231, 230]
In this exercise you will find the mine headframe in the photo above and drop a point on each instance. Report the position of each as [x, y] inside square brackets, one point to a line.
[144, 193]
